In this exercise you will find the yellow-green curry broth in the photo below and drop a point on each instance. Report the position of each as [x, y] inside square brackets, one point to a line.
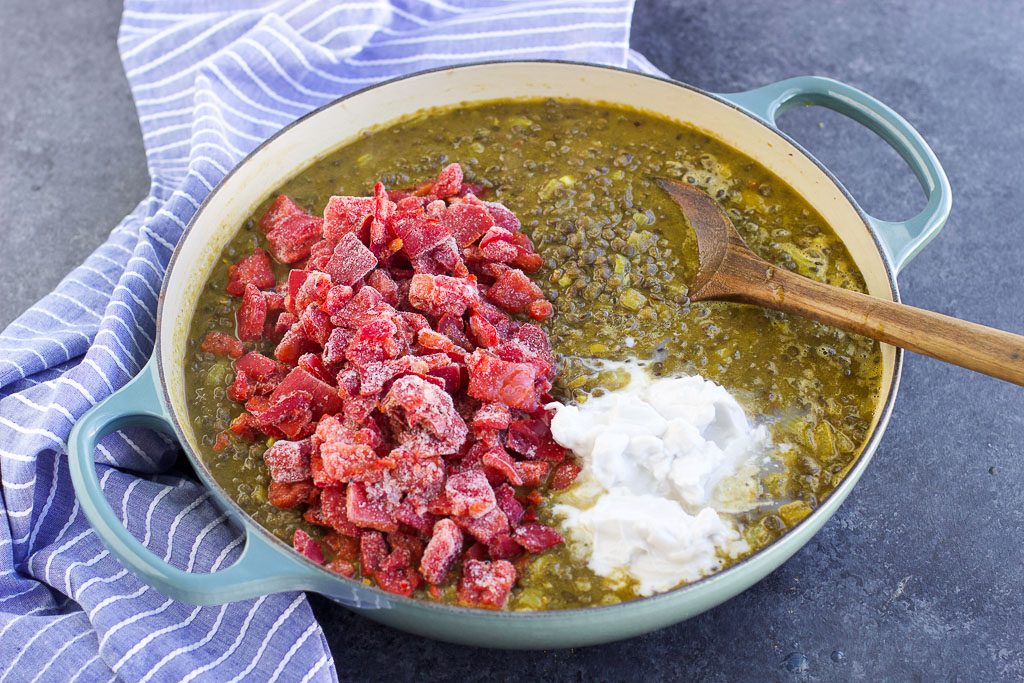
[617, 260]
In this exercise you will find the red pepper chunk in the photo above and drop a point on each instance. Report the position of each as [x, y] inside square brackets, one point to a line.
[514, 291]
[288, 460]
[486, 584]
[308, 546]
[252, 314]
[448, 182]
[291, 231]
[221, 344]
[441, 552]
[470, 494]
[537, 537]
[493, 379]
[254, 269]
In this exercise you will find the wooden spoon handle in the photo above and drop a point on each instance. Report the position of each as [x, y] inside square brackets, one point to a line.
[969, 345]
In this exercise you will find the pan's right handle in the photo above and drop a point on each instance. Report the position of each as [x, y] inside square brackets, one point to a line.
[902, 240]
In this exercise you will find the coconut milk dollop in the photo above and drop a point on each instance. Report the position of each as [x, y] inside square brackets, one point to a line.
[665, 462]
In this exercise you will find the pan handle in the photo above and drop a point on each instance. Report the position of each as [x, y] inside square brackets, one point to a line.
[901, 240]
[265, 566]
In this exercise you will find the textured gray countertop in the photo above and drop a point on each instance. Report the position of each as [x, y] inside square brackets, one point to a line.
[920, 574]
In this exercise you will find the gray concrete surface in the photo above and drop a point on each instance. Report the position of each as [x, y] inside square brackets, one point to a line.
[71, 159]
[919, 576]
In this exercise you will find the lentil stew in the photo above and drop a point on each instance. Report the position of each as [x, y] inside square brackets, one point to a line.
[614, 260]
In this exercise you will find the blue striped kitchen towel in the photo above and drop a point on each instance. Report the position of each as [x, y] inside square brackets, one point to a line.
[211, 80]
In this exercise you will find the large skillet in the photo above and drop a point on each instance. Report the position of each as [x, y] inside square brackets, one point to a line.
[746, 121]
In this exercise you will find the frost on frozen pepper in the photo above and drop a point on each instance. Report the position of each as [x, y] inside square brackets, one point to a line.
[405, 389]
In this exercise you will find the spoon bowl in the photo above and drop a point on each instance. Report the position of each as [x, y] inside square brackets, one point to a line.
[729, 271]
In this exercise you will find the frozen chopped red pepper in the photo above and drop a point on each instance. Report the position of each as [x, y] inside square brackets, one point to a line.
[406, 385]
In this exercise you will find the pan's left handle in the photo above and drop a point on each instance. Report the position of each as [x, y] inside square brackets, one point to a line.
[264, 566]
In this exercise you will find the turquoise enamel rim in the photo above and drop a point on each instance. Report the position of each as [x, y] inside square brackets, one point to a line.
[268, 565]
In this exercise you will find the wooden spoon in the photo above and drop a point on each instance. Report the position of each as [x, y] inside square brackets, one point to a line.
[730, 271]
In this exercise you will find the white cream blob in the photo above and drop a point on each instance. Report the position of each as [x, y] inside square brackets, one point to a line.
[662, 460]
